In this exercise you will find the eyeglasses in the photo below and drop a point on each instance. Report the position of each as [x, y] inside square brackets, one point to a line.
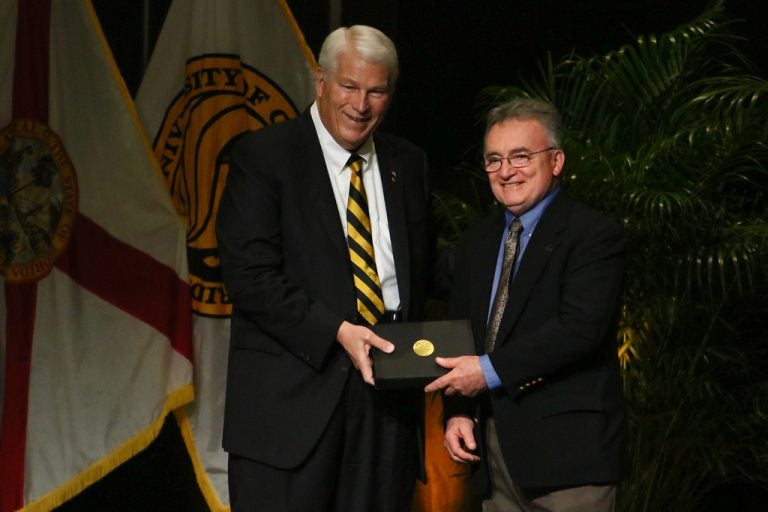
[518, 160]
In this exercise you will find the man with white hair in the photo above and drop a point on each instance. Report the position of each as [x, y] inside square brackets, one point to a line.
[323, 232]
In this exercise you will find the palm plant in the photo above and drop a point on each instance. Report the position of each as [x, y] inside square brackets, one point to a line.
[668, 135]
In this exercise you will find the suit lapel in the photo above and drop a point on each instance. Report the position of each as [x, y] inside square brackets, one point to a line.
[542, 245]
[309, 156]
[487, 251]
[320, 198]
[392, 182]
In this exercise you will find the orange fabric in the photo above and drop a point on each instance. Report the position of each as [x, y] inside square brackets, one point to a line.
[447, 487]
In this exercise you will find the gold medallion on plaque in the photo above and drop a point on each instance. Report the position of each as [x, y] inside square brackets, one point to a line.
[423, 348]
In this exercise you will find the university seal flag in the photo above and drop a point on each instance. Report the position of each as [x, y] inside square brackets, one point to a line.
[95, 315]
[220, 68]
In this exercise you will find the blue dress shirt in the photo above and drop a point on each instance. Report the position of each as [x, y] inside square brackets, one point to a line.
[529, 221]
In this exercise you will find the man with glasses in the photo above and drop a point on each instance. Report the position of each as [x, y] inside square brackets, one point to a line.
[540, 410]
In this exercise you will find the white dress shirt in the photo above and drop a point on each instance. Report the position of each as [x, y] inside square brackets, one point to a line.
[335, 161]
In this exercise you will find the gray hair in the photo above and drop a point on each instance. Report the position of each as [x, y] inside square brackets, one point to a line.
[529, 108]
[372, 45]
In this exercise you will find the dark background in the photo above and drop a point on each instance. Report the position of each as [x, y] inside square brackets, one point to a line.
[449, 50]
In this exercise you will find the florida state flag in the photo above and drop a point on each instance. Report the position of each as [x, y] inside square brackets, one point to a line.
[95, 316]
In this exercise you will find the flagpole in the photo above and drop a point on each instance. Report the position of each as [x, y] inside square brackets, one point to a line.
[144, 36]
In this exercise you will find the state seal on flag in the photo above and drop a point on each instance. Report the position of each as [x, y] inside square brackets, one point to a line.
[221, 99]
[38, 200]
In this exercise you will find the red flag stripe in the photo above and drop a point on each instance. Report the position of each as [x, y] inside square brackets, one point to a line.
[30, 100]
[119, 273]
[30, 76]
[20, 300]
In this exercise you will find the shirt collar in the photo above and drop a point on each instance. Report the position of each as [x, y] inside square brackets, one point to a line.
[530, 218]
[335, 155]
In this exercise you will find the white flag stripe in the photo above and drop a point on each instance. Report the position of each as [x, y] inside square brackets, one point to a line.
[124, 191]
[92, 393]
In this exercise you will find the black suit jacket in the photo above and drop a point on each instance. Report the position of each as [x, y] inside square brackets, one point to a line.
[559, 412]
[287, 273]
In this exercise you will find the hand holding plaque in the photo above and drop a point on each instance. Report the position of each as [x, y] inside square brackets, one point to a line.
[412, 364]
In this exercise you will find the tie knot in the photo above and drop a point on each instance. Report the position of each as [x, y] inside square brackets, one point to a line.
[355, 162]
[516, 227]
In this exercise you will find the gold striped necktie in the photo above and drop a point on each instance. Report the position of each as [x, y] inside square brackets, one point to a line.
[370, 302]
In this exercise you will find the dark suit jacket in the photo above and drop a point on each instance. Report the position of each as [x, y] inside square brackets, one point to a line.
[559, 412]
[287, 273]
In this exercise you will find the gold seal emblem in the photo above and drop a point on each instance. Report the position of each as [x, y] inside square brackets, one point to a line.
[423, 348]
[222, 98]
[38, 200]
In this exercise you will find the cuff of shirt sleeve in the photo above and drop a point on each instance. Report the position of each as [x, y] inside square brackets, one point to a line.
[491, 377]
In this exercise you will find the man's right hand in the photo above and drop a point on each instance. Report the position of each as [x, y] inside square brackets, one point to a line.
[357, 341]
